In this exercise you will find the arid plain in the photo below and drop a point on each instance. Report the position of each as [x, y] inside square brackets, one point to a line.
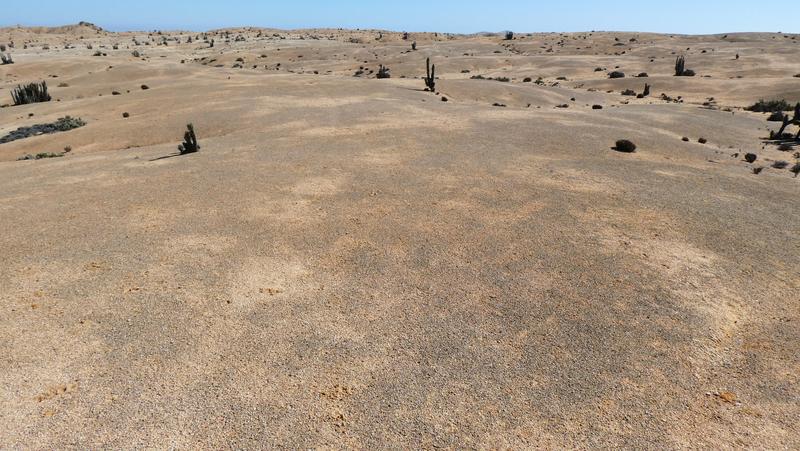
[353, 262]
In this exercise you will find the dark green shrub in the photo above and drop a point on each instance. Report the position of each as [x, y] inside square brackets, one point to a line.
[770, 106]
[61, 125]
[623, 145]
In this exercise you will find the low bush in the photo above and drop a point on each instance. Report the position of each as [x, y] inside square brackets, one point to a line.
[623, 145]
[61, 125]
[769, 106]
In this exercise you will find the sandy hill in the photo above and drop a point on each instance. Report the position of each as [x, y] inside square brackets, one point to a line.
[353, 262]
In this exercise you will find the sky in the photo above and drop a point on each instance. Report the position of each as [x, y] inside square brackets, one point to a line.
[452, 16]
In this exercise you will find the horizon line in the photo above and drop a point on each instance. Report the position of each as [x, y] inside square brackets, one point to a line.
[114, 29]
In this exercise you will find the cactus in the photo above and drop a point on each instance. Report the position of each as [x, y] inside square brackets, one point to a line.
[189, 144]
[6, 59]
[30, 93]
[383, 72]
[430, 79]
[680, 66]
[646, 90]
[509, 35]
[414, 45]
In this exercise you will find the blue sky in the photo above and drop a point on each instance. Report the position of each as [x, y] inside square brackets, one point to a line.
[465, 16]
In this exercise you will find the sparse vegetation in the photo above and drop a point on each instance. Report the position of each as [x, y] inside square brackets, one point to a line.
[680, 68]
[616, 74]
[6, 59]
[430, 77]
[40, 156]
[30, 93]
[61, 125]
[189, 144]
[786, 122]
[383, 72]
[509, 35]
[776, 117]
[626, 146]
[770, 106]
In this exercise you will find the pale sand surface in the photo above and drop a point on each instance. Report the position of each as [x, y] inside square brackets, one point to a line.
[353, 263]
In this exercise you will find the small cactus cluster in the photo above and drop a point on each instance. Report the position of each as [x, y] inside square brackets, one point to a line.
[680, 68]
[6, 59]
[430, 78]
[189, 144]
[30, 93]
[509, 35]
[383, 72]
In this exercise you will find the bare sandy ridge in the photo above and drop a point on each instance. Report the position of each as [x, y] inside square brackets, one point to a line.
[354, 263]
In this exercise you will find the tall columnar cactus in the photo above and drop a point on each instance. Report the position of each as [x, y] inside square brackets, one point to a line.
[189, 144]
[30, 93]
[646, 90]
[430, 79]
[383, 72]
[680, 66]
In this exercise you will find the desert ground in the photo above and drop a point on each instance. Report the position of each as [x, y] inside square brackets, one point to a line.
[353, 262]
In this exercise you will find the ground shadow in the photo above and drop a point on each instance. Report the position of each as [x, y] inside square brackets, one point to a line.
[172, 155]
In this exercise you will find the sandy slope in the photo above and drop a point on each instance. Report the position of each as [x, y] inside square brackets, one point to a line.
[351, 262]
